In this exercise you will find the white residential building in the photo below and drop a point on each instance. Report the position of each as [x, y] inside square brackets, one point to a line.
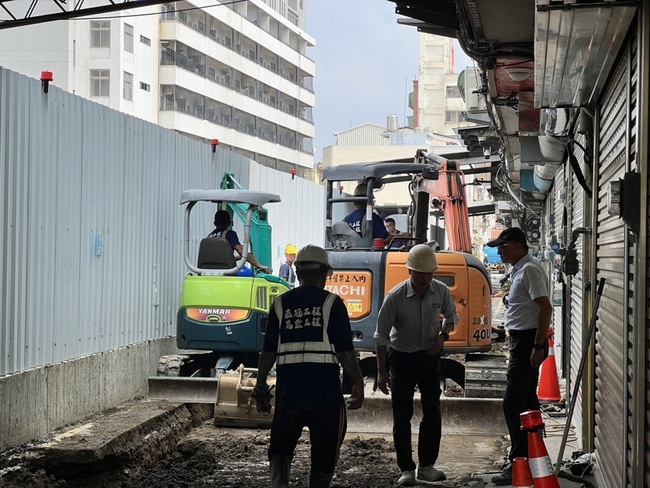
[237, 72]
[439, 103]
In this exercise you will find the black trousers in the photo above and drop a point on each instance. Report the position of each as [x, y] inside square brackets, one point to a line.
[408, 370]
[327, 429]
[521, 389]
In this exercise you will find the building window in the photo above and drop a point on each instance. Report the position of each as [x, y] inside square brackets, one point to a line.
[453, 116]
[100, 33]
[127, 88]
[128, 38]
[145, 40]
[99, 82]
[453, 92]
[145, 87]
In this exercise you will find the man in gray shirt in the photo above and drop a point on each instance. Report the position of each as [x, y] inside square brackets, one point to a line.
[409, 339]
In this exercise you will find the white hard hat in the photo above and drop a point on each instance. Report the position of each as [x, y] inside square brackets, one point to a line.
[312, 254]
[421, 258]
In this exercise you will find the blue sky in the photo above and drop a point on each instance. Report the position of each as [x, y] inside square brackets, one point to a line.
[365, 64]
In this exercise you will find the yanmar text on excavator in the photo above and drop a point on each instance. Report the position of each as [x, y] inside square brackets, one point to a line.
[365, 270]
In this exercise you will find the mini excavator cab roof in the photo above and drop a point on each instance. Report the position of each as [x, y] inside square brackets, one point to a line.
[253, 199]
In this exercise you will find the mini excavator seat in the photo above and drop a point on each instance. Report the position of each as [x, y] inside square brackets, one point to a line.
[216, 253]
[343, 236]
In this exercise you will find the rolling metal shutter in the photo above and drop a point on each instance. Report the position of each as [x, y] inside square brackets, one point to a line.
[559, 230]
[576, 289]
[615, 262]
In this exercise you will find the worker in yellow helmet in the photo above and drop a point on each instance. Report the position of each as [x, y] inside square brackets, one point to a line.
[286, 269]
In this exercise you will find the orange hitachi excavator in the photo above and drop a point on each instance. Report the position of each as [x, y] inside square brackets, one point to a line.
[364, 270]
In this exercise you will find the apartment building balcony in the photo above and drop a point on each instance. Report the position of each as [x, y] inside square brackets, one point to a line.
[280, 59]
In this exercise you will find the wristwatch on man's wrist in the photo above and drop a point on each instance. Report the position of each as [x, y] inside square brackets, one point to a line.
[538, 347]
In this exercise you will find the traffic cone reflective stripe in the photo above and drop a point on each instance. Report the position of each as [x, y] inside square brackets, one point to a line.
[521, 475]
[549, 387]
[539, 462]
[541, 470]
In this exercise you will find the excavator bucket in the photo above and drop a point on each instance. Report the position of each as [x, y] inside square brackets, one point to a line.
[235, 407]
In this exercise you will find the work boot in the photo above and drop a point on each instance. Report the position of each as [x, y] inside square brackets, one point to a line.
[430, 474]
[280, 467]
[407, 478]
[504, 477]
[320, 480]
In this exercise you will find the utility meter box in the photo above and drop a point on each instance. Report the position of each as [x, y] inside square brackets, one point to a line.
[614, 198]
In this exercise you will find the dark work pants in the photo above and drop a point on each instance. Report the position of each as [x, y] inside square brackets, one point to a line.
[327, 429]
[521, 389]
[408, 370]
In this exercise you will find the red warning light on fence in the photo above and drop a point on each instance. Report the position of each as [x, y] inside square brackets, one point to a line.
[46, 77]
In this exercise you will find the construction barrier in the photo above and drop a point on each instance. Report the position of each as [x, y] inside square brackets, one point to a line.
[539, 462]
[548, 390]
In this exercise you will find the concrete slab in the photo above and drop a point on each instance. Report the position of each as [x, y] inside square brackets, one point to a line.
[115, 434]
[41, 400]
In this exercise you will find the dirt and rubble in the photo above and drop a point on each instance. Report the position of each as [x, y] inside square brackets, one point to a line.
[156, 444]
[236, 458]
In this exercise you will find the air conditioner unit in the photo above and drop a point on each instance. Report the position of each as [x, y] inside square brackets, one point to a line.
[473, 101]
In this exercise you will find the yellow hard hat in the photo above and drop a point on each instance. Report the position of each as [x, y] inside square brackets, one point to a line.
[291, 249]
[421, 258]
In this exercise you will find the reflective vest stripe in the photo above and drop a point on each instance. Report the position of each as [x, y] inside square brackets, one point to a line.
[307, 357]
[307, 351]
[307, 346]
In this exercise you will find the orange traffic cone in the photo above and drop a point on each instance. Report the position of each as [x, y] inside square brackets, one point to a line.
[539, 462]
[521, 475]
[549, 388]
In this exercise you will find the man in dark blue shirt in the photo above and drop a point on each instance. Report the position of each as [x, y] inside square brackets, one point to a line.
[222, 229]
[355, 218]
[309, 337]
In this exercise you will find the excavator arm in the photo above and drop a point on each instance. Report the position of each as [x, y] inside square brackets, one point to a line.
[260, 238]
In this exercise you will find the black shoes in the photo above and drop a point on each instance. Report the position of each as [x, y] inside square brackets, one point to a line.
[504, 477]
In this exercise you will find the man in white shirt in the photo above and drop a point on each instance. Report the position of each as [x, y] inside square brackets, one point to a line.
[527, 320]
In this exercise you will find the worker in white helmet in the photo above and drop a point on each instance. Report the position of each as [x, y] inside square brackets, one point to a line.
[409, 340]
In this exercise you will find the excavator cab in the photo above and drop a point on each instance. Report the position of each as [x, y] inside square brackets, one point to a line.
[221, 310]
[365, 271]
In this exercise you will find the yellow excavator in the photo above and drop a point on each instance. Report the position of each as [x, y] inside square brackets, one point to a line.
[365, 270]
